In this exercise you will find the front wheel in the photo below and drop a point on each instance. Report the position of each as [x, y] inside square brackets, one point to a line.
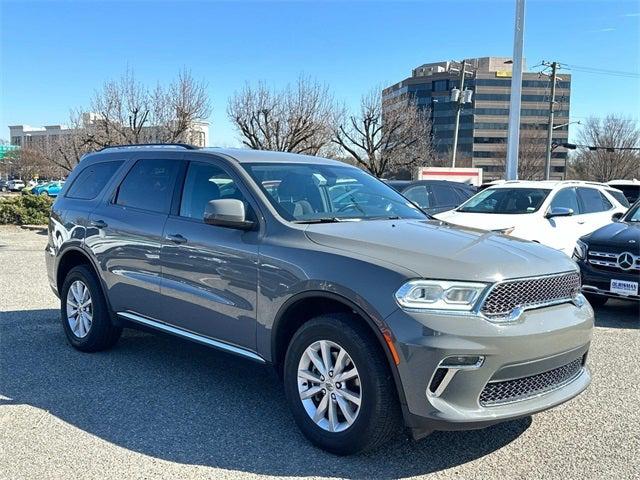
[339, 387]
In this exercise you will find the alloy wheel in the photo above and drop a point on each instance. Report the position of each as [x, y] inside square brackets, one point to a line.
[79, 309]
[329, 386]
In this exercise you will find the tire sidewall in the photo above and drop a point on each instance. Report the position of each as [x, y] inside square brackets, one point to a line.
[100, 314]
[356, 436]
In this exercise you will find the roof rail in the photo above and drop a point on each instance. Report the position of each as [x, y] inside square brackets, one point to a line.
[186, 146]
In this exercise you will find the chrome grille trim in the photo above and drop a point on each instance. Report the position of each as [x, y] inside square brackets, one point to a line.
[519, 389]
[505, 300]
[610, 260]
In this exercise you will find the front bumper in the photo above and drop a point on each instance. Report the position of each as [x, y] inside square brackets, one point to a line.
[541, 342]
[598, 282]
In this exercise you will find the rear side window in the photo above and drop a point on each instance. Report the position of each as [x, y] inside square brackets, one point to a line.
[92, 180]
[619, 196]
[593, 201]
[444, 195]
[149, 185]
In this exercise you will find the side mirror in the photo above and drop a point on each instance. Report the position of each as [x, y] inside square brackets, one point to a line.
[617, 216]
[559, 212]
[227, 212]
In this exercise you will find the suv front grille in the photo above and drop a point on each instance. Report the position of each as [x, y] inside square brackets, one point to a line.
[609, 261]
[530, 293]
[496, 393]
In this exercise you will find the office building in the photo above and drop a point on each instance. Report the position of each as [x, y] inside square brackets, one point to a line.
[484, 121]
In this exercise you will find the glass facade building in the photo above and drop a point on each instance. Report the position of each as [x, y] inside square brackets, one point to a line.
[483, 123]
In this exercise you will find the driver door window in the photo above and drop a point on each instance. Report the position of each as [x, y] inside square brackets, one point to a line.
[566, 198]
[205, 182]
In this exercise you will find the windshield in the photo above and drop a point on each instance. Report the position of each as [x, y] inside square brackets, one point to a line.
[506, 201]
[633, 215]
[307, 193]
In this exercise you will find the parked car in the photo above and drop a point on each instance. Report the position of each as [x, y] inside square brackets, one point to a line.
[28, 190]
[552, 213]
[372, 312]
[609, 259]
[15, 185]
[3, 185]
[52, 189]
[630, 188]
[434, 196]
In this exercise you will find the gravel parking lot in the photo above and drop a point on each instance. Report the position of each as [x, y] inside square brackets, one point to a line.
[157, 407]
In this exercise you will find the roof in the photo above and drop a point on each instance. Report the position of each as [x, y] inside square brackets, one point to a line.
[245, 155]
[240, 155]
[548, 184]
[624, 182]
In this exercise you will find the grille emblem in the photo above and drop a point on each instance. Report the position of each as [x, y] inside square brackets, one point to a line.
[625, 261]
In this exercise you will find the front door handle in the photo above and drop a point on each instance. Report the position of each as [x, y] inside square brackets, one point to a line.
[178, 239]
[99, 223]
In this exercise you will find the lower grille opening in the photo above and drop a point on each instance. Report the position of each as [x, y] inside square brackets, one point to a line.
[497, 393]
[437, 379]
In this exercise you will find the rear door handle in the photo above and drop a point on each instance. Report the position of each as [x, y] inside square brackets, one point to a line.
[99, 223]
[178, 239]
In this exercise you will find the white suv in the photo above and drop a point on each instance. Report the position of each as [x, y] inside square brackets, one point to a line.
[552, 213]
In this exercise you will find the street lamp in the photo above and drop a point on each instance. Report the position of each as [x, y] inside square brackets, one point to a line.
[460, 97]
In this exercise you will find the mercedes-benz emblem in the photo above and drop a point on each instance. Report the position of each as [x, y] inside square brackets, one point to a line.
[625, 260]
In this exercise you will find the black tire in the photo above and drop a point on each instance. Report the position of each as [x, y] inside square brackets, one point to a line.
[379, 417]
[596, 300]
[102, 334]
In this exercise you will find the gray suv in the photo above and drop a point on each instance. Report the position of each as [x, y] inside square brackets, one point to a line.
[374, 314]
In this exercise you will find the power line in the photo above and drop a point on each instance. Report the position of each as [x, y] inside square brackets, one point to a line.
[602, 71]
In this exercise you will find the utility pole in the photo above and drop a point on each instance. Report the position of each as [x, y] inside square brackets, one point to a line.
[459, 104]
[552, 104]
[460, 96]
[513, 136]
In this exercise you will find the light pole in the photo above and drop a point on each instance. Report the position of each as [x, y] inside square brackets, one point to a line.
[513, 136]
[460, 96]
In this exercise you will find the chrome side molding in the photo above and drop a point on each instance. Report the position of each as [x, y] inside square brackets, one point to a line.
[210, 342]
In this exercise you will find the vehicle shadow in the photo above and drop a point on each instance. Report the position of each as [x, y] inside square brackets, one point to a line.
[618, 314]
[186, 403]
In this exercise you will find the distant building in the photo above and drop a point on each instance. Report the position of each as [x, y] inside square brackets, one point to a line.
[26, 136]
[483, 122]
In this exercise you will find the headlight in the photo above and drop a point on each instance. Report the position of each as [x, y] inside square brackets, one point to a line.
[439, 295]
[580, 250]
[504, 231]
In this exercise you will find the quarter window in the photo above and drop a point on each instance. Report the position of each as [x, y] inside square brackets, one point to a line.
[593, 201]
[92, 180]
[149, 185]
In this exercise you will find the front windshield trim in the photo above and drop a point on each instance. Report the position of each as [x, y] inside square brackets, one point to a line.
[327, 214]
[462, 209]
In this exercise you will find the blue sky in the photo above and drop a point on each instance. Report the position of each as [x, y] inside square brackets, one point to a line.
[53, 55]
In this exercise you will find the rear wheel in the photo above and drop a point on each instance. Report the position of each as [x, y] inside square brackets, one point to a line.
[84, 312]
[339, 387]
[596, 300]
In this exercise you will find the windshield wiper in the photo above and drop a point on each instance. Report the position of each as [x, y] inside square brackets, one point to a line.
[320, 220]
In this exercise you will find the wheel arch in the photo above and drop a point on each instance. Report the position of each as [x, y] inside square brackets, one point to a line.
[72, 257]
[304, 306]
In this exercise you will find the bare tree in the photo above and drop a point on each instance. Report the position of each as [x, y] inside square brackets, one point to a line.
[531, 154]
[385, 140]
[296, 119]
[125, 111]
[602, 165]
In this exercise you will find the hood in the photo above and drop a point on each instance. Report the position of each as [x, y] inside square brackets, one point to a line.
[618, 234]
[433, 249]
[482, 221]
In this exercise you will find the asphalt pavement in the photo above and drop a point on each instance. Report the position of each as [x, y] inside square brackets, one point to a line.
[158, 407]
